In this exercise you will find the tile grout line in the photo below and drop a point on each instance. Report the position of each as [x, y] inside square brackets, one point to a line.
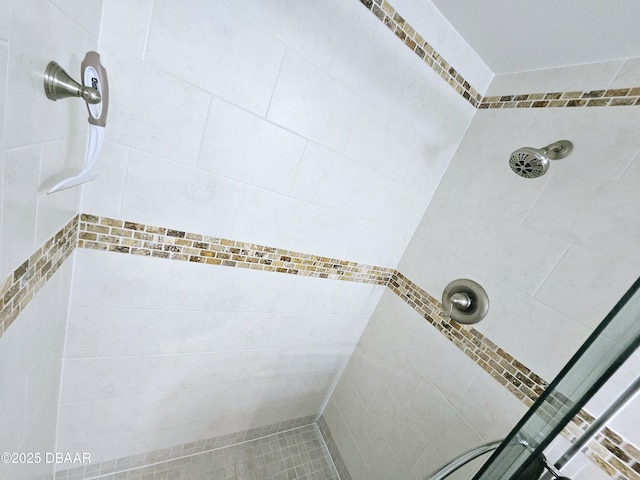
[607, 97]
[108, 234]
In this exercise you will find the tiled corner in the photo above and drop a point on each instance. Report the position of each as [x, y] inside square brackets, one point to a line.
[609, 450]
[387, 14]
[341, 467]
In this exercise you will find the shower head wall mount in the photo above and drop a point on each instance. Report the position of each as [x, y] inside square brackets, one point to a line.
[530, 162]
[58, 84]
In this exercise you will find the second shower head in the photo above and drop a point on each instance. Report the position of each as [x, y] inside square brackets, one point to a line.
[530, 162]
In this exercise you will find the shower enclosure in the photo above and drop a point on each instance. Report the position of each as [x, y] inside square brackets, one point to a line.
[520, 454]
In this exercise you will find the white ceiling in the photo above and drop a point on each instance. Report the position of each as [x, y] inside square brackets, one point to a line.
[519, 35]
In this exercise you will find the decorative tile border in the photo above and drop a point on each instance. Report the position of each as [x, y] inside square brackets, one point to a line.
[102, 233]
[608, 450]
[595, 98]
[160, 456]
[388, 15]
[20, 287]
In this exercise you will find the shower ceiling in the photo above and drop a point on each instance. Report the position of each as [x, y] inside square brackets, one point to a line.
[520, 35]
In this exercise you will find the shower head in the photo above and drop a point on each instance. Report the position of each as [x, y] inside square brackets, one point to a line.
[530, 162]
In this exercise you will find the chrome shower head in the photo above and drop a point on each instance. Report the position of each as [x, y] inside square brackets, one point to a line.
[530, 162]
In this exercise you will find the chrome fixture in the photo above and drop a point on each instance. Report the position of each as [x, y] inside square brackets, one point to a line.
[465, 301]
[538, 466]
[95, 92]
[599, 423]
[58, 84]
[530, 162]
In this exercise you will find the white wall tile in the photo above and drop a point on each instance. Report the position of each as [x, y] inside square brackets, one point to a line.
[598, 292]
[436, 358]
[19, 207]
[245, 147]
[394, 367]
[33, 346]
[330, 180]
[375, 244]
[520, 257]
[538, 336]
[439, 421]
[248, 330]
[153, 111]
[493, 412]
[628, 75]
[103, 195]
[140, 283]
[303, 25]
[586, 77]
[125, 25]
[5, 21]
[204, 343]
[427, 20]
[34, 118]
[434, 269]
[86, 15]
[275, 220]
[163, 193]
[499, 84]
[60, 159]
[314, 104]
[216, 50]
[382, 140]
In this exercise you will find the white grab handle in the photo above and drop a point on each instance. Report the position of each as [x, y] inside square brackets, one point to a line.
[95, 139]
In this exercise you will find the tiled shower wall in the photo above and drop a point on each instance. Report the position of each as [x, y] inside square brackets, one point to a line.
[313, 139]
[231, 120]
[280, 161]
[555, 254]
[38, 140]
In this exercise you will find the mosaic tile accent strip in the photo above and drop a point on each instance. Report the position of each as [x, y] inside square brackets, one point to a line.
[113, 469]
[102, 233]
[338, 461]
[608, 449]
[20, 287]
[388, 15]
[595, 98]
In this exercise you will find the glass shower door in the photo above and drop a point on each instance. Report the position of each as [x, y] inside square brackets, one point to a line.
[520, 453]
[610, 345]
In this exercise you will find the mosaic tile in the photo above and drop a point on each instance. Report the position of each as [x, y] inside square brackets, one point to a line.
[19, 288]
[412, 39]
[137, 239]
[285, 452]
[610, 451]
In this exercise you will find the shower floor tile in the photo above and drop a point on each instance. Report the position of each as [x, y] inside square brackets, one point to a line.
[298, 454]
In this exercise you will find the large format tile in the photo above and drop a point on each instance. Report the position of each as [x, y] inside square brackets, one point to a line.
[216, 50]
[153, 111]
[19, 207]
[314, 104]
[162, 193]
[247, 148]
[125, 25]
